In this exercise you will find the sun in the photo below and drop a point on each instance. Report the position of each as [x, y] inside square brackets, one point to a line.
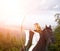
[12, 12]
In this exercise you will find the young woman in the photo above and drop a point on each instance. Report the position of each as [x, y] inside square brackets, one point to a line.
[34, 36]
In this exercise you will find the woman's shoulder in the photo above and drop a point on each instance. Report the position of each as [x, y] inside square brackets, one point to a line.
[37, 31]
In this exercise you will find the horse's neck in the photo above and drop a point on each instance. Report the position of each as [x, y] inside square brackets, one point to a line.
[28, 35]
[35, 40]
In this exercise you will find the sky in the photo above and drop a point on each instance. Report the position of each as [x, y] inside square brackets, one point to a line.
[28, 12]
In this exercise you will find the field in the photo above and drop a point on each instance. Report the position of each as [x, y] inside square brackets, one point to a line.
[12, 43]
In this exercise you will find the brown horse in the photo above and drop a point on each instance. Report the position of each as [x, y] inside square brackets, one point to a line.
[46, 38]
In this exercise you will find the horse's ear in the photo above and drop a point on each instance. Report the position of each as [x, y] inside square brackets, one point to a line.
[49, 26]
[46, 26]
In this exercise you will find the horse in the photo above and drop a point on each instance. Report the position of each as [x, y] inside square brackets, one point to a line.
[46, 38]
[28, 43]
[33, 36]
[28, 40]
[27, 36]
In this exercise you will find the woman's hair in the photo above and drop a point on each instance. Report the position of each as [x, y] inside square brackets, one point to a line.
[37, 26]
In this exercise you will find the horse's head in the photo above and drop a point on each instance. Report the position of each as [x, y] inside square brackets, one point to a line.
[49, 35]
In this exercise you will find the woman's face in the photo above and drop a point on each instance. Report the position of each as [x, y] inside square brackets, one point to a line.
[36, 27]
